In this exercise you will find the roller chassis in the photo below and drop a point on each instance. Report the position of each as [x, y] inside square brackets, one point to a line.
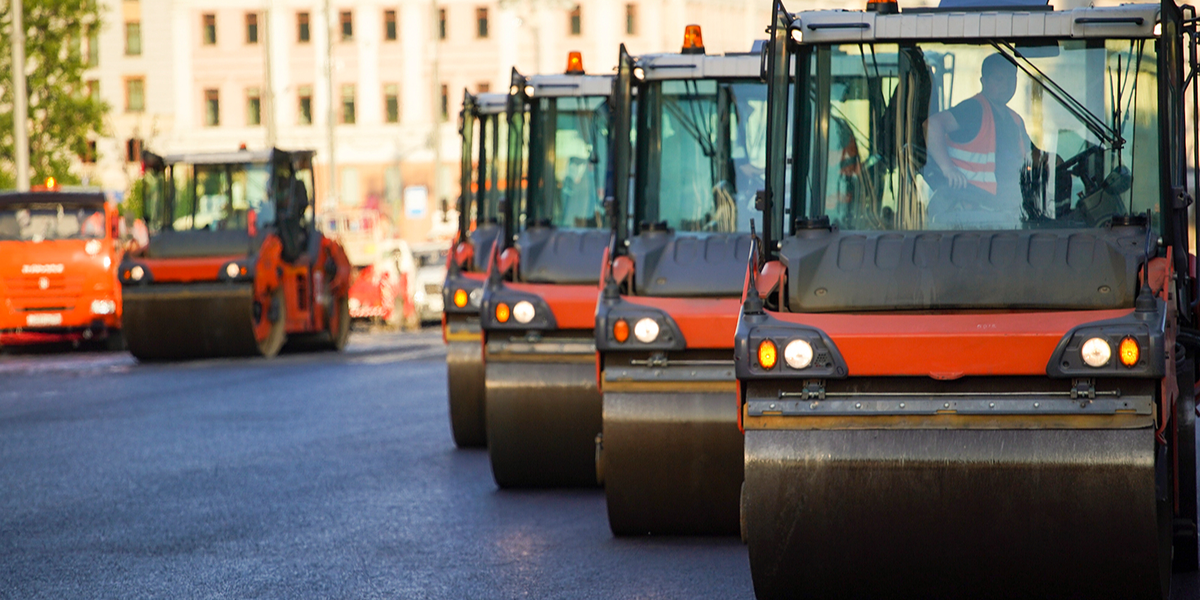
[964, 453]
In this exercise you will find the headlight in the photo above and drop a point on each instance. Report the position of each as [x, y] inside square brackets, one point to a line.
[639, 73]
[798, 354]
[231, 270]
[646, 330]
[103, 307]
[1096, 352]
[137, 273]
[523, 311]
[355, 304]
[476, 296]
[92, 247]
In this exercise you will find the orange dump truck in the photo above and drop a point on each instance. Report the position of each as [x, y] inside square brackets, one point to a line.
[58, 257]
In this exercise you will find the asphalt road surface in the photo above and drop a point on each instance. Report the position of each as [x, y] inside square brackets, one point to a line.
[307, 476]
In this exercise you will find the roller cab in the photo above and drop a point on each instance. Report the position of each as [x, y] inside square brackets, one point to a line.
[59, 252]
[234, 265]
[670, 456]
[966, 372]
[538, 307]
[483, 127]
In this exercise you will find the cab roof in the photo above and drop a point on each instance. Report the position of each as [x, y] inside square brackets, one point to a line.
[235, 157]
[825, 26]
[563, 85]
[50, 197]
[700, 66]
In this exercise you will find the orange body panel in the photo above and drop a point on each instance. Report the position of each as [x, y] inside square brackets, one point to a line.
[948, 346]
[706, 323]
[574, 306]
[187, 270]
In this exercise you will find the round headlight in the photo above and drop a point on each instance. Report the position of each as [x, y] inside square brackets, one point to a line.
[1096, 352]
[92, 247]
[103, 307]
[645, 330]
[231, 270]
[476, 296]
[798, 354]
[523, 311]
[137, 272]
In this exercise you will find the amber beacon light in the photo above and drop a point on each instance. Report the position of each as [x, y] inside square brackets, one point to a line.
[693, 40]
[574, 63]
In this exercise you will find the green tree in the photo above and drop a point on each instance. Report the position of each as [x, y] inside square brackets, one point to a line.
[62, 112]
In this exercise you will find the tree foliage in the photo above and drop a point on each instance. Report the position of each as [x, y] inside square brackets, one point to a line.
[62, 113]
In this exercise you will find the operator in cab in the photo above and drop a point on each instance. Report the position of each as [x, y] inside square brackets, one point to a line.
[980, 147]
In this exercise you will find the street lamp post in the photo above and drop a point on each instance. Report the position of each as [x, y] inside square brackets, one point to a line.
[20, 98]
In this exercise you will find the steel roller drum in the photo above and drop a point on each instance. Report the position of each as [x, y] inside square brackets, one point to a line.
[954, 513]
[464, 373]
[180, 321]
[672, 462]
[542, 419]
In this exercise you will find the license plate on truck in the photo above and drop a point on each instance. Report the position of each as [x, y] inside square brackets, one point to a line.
[43, 319]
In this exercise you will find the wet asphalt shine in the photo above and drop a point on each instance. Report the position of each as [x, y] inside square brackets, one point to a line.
[307, 476]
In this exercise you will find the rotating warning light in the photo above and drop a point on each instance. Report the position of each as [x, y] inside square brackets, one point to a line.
[1096, 352]
[51, 184]
[693, 40]
[502, 312]
[523, 312]
[646, 330]
[767, 354]
[1128, 352]
[574, 63]
[621, 330]
[460, 297]
[798, 354]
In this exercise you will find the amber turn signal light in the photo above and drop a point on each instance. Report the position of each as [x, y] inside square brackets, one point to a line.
[767, 354]
[460, 298]
[502, 312]
[621, 330]
[1129, 352]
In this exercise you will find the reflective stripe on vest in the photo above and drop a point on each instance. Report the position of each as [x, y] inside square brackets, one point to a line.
[977, 158]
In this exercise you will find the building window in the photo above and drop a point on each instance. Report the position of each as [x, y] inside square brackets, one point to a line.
[89, 155]
[93, 34]
[253, 107]
[389, 25]
[441, 23]
[346, 18]
[251, 28]
[210, 29]
[391, 103]
[135, 95]
[481, 23]
[305, 95]
[574, 21]
[630, 19]
[302, 27]
[133, 150]
[212, 108]
[445, 101]
[483, 87]
[348, 104]
[133, 38]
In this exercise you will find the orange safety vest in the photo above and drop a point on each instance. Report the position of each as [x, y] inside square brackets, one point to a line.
[977, 158]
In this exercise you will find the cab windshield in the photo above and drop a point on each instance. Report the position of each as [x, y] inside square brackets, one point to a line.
[701, 154]
[42, 221]
[211, 197]
[977, 136]
[491, 177]
[568, 160]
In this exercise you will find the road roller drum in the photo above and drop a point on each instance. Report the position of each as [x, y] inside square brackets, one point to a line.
[178, 321]
[465, 373]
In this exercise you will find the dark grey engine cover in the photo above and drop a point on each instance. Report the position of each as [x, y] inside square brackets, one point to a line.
[683, 265]
[562, 255]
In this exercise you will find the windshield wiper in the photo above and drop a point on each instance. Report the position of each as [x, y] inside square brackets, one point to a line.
[1100, 129]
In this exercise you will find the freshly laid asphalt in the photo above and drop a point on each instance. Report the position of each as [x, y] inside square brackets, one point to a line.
[307, 476]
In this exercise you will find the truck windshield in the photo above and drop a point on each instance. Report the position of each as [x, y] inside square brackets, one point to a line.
[37, 222]
[568, 159]
[214, 196]
[977, 136]
[701, 154]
